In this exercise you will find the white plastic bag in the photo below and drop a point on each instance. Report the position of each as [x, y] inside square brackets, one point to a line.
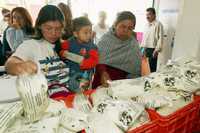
[54, 108]
[82, 103]
[125, 89]
[102, 105]
[8, 115]
[33, 93]
[154, 100]
[124, 113]
[99, 123]
[47, 124]
[100, 94]
[72, 120]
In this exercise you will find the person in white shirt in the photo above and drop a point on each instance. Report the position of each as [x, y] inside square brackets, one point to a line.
[152, 42]
[4, 22]
[101, 28]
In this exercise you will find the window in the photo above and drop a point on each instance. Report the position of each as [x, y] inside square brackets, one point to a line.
[111, 7]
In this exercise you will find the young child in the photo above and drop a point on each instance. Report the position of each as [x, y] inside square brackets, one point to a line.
[81, 55]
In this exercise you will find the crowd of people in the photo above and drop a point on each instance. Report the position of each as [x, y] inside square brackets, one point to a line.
[72, 53]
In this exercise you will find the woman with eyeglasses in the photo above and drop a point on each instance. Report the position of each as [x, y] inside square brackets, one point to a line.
[21, 27]
[41, 50]
[119, 52]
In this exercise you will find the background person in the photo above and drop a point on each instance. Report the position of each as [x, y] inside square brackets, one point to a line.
[4, 22]
[152, 42]
[101, 27]
[67, 31]
[21, 27]
[81, 44]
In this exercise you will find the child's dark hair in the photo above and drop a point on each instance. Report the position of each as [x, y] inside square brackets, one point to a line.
[5, 11]
[80, 22]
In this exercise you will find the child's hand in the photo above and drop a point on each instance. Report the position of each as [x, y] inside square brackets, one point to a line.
[83, 52]
[65, 53]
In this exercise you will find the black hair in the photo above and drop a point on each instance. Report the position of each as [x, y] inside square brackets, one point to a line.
[47, 13]
[125, 15]
[67, 31]
[27, 24]
[80, 22]
[152, 10]
[5, 11]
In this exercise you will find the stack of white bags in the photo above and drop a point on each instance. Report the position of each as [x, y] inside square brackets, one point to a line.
[115, 109]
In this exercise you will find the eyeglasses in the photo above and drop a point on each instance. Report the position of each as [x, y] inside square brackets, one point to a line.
[51, 29]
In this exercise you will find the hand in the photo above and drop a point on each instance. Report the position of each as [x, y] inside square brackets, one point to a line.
[28, 67]
[8, 54]
[155, 53]
[104, 78]
[65, 53]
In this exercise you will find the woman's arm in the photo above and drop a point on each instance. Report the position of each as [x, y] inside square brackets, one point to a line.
[104, 76]
[16, 66]
[14, 37]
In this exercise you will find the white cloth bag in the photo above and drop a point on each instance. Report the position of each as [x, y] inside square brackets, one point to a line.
[33, 93]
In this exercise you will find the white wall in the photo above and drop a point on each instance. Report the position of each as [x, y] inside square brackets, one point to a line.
[167, 11]
[187, 38]
[112, 7]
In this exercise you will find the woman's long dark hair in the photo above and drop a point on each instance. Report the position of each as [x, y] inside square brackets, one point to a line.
[27, 24]
[65, 9]
[47, 13]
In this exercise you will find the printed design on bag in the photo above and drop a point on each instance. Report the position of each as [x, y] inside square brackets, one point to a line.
[190, 74]
[147, 85]
[125, 118]
[101, 107]
[169, 81]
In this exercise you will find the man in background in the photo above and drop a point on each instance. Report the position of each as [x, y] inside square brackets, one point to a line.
[152, 42]
[101, 27]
